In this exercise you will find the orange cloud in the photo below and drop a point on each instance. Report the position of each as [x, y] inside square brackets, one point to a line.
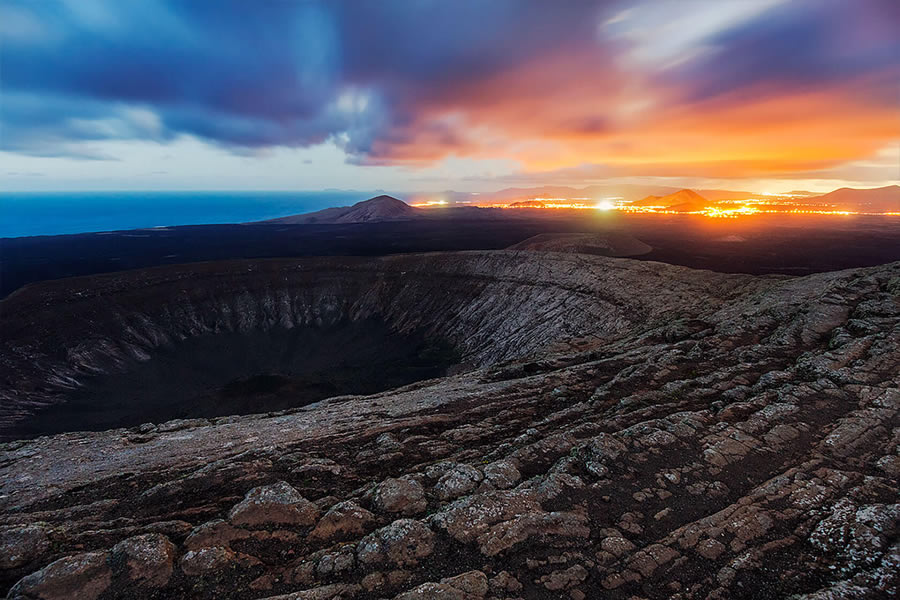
[552, 115]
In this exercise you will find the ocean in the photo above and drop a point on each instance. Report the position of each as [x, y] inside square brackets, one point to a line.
[55, 213]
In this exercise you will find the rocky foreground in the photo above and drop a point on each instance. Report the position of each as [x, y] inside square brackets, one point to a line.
[622, 430]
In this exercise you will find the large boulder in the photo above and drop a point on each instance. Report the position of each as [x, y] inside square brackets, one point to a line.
[343, 520]
[275, 504]
[206, 561]
[336, 591]
[148, 559]
[502, 474]
[467, 586]
[83, 576]
[215, 533]
[457, 481]
[403, 542]
[405, 496]
[470, 517]
[554, 529]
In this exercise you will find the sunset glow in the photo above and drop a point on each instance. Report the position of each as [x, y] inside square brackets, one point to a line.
[469, 96]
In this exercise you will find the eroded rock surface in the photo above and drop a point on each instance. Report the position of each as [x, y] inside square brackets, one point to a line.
[278, 504]
[713, 436]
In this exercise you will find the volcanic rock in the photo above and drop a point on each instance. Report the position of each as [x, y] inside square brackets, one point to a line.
[457, 481]
[404, 496]
[466, 586]
[275, 504]
[19, 545]
[213, 560]
[81, 576]
[618, 428]
[148, 559]
[404, 542]
[343, 520]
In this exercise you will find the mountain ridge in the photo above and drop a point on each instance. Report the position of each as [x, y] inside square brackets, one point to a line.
[378, 208]
[882, 199]
[685, 200]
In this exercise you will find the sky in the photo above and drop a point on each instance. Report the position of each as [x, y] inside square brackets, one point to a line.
[469, 95]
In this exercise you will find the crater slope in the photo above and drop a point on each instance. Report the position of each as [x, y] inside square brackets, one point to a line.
[121, 349]
[624, 430]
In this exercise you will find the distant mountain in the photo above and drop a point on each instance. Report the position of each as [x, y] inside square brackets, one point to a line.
[685, 201]
[380, 208]
[681, 201]
[883, 199]
[388, 208]
[650, 200]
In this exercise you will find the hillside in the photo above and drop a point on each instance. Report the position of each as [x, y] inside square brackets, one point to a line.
[681, 201]
[379, 208]
[883, 199]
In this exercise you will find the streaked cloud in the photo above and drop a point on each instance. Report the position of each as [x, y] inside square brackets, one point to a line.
[763, 89]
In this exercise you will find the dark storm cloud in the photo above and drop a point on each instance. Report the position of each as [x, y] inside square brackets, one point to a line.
[257, 74]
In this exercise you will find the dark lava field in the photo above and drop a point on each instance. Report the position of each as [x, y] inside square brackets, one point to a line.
[783, 244]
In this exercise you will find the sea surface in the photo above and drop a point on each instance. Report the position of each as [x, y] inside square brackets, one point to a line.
[55, 213]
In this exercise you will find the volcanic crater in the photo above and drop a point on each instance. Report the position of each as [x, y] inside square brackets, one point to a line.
[243, 337]
[537, 425]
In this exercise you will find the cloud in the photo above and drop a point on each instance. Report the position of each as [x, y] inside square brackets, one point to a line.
[713, 87]
[799, 45]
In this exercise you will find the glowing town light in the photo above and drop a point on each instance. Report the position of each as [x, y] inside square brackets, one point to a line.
[728, 209]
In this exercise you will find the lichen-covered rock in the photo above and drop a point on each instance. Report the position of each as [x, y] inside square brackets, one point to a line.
[564, 579]
[206, 561]
[19, 545]
[83, 576]
[469, 518]
[711, 549]
[336, 563]
[148, 559]
[215, 533]
[276, 504]
[403, 542]
[554, 529]
[501, 474]
[857, 534]
[343, 520]
[457, 481]
[472, 585]
[504, 582]
[616, 545]
[404, 496]
[337, 591]
[601, 451]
